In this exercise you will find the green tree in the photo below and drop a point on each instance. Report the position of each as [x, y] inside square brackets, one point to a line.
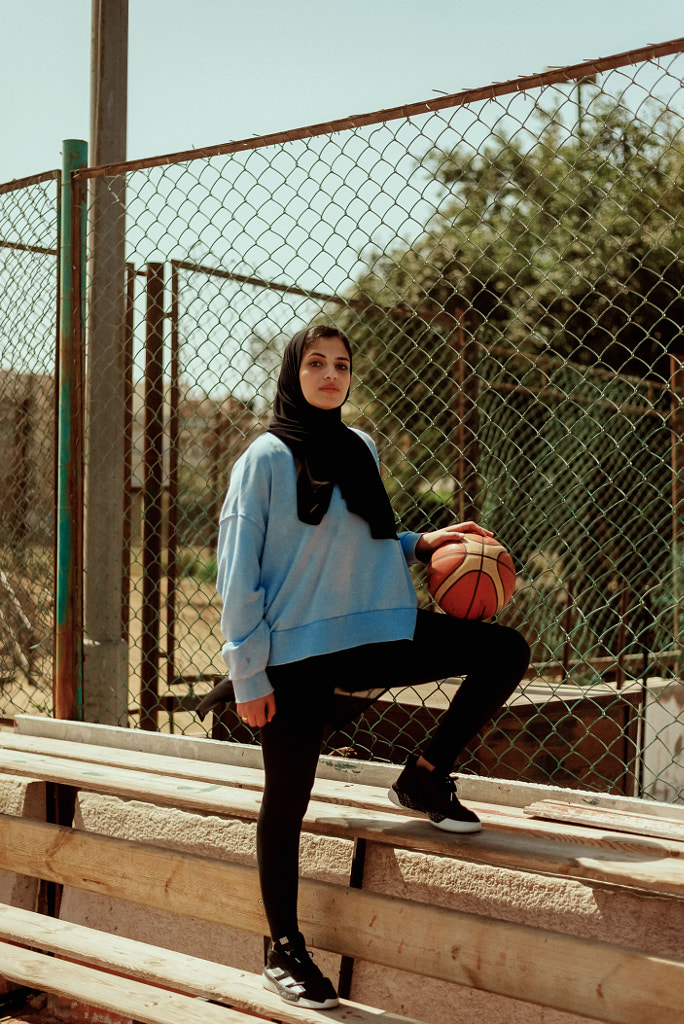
[570, 244]
[566, 248]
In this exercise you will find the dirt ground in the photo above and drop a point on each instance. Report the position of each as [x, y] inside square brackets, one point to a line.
[190, 650]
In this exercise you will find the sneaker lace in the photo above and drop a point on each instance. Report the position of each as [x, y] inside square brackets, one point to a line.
[297, 952]
[448, 784]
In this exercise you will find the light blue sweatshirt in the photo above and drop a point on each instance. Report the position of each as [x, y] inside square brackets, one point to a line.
[292, 591]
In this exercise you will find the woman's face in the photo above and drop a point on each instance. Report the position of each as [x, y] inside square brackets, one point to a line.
[325, 374]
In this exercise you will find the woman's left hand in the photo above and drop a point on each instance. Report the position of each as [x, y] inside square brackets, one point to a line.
[429, 542]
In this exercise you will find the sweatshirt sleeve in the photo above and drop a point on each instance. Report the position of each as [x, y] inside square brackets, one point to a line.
[408, 543]
[242, 529]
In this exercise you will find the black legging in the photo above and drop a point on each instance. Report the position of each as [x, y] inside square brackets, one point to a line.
[492, 658]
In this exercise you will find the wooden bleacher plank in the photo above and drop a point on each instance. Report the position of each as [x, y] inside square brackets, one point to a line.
[505, 793]
[599, 817]
[183, 883]
[234, 776]
[572, 974]
[175, 791]
[654, 865]
[339, 791]
[157, 764]
[188, 974]
[343, 793]
[141, 1002]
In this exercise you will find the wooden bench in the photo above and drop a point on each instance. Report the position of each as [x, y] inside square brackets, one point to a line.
[145, 982]
[581, 976]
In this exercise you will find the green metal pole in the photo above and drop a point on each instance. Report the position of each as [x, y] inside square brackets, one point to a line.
[68, 665]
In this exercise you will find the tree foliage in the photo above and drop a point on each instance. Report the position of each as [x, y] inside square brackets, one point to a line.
[565, 247]
[570, 243]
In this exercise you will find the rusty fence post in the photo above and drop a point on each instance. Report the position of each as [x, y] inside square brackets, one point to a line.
[128, 457]
[172, 564]
[153, 491]
[677, 447]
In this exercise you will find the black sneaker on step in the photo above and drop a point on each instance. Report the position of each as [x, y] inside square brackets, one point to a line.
[291, 973]
[435, 795]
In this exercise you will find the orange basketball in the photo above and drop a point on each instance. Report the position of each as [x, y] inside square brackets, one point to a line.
[471, 579]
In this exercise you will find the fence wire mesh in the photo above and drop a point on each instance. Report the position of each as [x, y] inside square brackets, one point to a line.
[508, 267]
[28, 318]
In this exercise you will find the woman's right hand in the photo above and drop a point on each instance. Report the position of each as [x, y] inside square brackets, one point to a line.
[257, 712]
[429, 542]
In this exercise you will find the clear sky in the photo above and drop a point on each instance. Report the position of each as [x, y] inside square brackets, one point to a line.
[207, 71]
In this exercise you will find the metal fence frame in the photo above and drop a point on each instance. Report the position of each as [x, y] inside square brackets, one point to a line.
[72, 430]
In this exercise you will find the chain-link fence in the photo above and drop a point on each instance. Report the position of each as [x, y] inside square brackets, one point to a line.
[507, 264]
[28, 324]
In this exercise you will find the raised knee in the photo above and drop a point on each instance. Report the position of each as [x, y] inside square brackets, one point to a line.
[511, 652]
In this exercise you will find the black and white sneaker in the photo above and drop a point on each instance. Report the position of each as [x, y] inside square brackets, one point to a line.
[435, 795]
[291, 973]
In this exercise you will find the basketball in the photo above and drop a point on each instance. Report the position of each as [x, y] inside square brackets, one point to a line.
[471, 579]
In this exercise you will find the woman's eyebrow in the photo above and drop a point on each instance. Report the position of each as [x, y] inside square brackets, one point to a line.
[321, 355]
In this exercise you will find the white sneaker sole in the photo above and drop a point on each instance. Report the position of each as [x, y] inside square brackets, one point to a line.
[446, 824]
[293, 999]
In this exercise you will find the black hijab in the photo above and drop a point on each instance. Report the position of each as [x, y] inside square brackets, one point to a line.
[326, 452]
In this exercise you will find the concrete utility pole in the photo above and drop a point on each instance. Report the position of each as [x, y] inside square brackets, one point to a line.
[105, 671]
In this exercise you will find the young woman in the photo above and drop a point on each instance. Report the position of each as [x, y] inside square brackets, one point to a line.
[317, 596]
